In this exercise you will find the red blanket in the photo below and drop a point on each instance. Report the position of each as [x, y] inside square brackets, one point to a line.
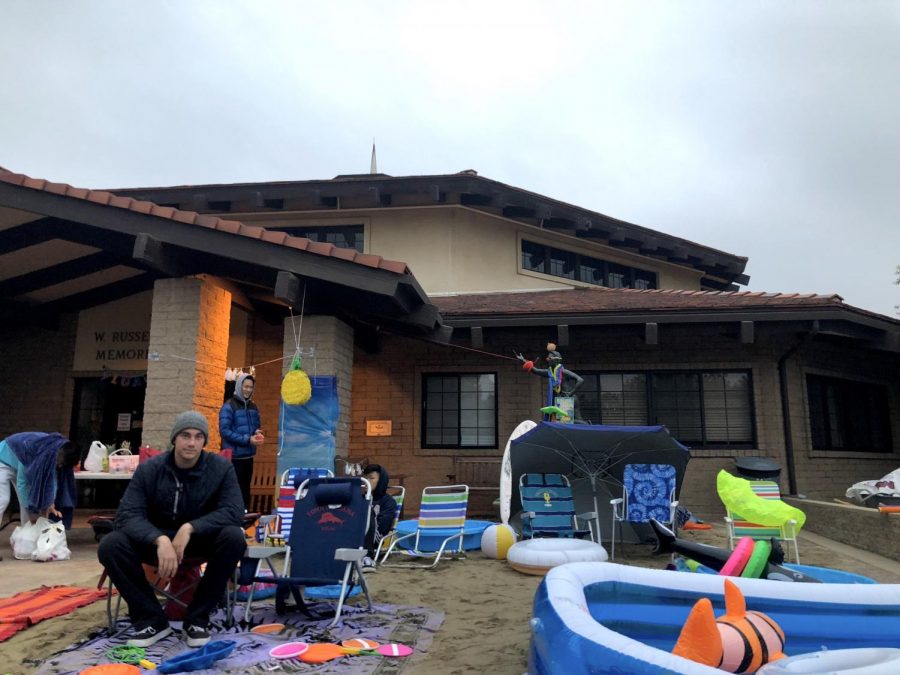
[29, 607]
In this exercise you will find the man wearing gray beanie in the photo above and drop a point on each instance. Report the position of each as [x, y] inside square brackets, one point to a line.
[181, 505]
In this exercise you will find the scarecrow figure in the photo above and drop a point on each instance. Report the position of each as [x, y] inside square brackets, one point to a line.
[561, 383]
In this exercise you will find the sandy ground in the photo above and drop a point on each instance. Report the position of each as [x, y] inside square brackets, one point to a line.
[487, 603]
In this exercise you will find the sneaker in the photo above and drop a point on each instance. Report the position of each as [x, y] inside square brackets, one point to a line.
[368, 565]
[149, 635]
[195, 636]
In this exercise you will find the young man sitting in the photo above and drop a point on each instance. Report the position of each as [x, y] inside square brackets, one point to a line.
[384, 510]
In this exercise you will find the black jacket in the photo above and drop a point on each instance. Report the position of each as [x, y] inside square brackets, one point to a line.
[157, 502]
[384, 507]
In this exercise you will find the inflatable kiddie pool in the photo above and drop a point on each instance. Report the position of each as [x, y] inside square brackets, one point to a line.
[608, 618]
[432, 540]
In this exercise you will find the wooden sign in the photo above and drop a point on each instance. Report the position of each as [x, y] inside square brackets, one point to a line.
[378, 427]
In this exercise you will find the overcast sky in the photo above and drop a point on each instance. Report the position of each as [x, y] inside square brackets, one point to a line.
[766, 129]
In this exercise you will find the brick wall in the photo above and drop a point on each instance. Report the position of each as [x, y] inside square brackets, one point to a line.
[190, 319]
[38, 385]
[387, 385]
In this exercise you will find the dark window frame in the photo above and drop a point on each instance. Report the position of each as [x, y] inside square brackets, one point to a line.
[633, 277]
[831, 416]
[651, 414]
[424, 444]
[319, 233]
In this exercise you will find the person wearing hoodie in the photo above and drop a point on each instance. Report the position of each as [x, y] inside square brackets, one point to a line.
[36, 464]
[384, 510]
[239, 426]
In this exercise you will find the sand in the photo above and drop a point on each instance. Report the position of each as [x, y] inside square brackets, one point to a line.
[487, 606]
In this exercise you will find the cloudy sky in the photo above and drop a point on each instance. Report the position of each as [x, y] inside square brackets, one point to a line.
[768, 129]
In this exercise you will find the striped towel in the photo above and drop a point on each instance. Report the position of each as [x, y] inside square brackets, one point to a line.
[30, 607]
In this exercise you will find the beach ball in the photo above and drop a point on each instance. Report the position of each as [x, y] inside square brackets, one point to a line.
[496, 540]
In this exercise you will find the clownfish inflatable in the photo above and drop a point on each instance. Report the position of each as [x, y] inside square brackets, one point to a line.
[738, 642]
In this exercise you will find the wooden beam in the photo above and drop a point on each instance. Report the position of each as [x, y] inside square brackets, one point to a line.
[747, 336]
[162, 257]
[651, 333]
[562, 336]
[50, 276]
[28, 234]
[238, 296]
[287, 288]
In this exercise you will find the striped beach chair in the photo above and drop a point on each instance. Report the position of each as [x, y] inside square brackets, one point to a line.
[287, 496]
[738, 527]
[442, 517]
[398, 492]
[548, 507]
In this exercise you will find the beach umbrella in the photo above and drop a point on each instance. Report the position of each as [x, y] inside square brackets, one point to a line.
[593, 457]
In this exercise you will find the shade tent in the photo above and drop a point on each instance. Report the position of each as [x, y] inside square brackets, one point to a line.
[592, 456]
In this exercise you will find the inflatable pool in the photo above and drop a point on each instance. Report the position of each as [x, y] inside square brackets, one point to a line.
[608, 618]
[432, 541]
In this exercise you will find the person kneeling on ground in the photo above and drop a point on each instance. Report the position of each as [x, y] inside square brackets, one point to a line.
[384, 510]
[182, 504]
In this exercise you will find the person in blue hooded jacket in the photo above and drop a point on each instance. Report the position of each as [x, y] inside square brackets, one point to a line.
[35, 463]
[240, 428]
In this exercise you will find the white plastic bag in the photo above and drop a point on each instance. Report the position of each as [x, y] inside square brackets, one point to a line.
[24, 538]
[96, 455]
[887, 486]
[51, 543]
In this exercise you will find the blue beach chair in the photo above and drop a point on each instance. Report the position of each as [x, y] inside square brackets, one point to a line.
[325, 546]
[548, 508]
[442, 517]
[648, 491]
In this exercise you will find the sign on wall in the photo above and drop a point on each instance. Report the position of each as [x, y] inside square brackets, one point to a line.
[114, 336]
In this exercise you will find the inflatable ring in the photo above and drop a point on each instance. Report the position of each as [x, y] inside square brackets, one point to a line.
[758, 560]
[738, 559]
[864, 661]
[538, 556]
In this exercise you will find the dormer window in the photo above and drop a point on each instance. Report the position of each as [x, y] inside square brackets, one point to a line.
[563, 264]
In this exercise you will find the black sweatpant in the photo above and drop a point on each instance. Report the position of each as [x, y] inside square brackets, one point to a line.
[243, 467]
[122, 557]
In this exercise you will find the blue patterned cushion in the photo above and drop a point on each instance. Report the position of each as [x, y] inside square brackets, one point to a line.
[649, 488]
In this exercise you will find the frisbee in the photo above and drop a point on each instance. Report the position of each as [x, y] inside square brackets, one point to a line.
[358, 645]
[289, 650]
[322, 652]
[394, 650]
[111, 669]
[268, 628]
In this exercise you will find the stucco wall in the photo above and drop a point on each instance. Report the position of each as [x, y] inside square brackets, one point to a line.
[456, 249]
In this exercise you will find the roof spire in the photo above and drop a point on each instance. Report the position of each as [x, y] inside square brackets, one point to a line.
[373, 167]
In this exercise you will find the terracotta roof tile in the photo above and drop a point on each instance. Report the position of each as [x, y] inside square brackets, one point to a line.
[212, 222]
[600, 300]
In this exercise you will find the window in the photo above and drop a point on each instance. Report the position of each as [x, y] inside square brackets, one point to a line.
[847, 415]
[459, 410]
[702, 409]
[342, 236]
[568, 265]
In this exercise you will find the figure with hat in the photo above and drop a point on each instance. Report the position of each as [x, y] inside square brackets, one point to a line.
[181, 504]
[561, 383]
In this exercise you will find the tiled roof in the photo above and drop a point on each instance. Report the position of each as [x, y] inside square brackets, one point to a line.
[211, 222]
[599, 300]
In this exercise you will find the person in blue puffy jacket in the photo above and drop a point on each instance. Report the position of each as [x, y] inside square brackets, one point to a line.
[240, 428]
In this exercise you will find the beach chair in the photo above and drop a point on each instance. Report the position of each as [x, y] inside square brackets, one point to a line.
[284, 510]
[442, 518]
[738, 527]
[324, 548]
[548, 508]
[648, 491]
[398, 492]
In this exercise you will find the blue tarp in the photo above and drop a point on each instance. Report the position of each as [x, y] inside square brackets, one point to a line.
[306, 437]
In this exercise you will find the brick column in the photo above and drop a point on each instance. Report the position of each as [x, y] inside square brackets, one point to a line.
[333, 342]
[189, 330]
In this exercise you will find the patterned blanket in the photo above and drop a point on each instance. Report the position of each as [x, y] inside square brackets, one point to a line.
[412, 626]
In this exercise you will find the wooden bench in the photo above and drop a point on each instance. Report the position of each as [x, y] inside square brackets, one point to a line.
[482, 475]
[264, 485]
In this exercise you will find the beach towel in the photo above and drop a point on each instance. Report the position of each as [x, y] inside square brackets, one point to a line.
[29, 607]
[411, 626]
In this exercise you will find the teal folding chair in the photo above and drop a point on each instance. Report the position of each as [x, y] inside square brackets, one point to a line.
[548, 508]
